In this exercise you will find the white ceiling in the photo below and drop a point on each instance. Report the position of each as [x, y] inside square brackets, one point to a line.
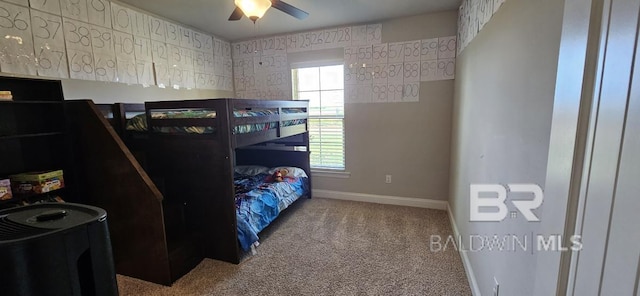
[211, 15]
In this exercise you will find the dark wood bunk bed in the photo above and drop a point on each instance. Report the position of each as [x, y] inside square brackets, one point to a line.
[200, 167]
[195, 174]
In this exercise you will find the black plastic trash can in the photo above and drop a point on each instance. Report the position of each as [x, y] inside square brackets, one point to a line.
[56, 249]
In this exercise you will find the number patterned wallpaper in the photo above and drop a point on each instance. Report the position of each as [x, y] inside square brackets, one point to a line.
[473, 15]
[375, 72]
[104, 41]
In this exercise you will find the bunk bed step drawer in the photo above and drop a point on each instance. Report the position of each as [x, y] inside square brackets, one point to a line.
[184, 256]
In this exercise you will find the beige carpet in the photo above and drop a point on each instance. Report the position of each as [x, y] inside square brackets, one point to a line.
[332, 247]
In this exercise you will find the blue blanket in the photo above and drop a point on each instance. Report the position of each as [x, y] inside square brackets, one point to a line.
[259, 201]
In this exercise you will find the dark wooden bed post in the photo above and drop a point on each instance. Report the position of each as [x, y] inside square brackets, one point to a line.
[223, 244]
[119, 120]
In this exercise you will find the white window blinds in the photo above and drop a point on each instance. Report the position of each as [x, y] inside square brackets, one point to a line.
[323, 87]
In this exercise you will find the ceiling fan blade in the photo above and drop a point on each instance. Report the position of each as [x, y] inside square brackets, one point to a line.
[289, 9]
[236, 14]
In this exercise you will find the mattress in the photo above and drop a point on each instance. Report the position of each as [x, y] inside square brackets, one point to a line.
[139, 122]
[259, 201]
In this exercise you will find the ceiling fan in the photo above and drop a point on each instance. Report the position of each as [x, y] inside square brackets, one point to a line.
[255, 9]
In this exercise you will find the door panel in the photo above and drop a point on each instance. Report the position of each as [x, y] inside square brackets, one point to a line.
[608, 262]
[623, 248]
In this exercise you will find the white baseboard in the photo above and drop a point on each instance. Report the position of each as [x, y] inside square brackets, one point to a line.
[382, 199]
[471, 277]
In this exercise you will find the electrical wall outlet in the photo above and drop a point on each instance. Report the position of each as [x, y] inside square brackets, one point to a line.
[496, 287]
[388, 179]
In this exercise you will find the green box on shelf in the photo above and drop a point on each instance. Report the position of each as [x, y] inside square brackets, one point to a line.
[37, 182]
[5, 189]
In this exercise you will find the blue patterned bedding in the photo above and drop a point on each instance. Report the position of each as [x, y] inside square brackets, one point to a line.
[259, 201]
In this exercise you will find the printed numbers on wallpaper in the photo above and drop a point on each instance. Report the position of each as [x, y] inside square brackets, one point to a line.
[49, 44]
[75, 9]
[121, 19]
[105, 68]
[126, 68]
[472, 17]
[140, 24]
[394, 92]
[157, 27]
[412, 51]
[396, 52]
[17, 52]
[380, 74]
[411, 72]
[429, 70]
[447, 47]
[411, 92]
[50, 6]
[105, 41]
[374, 34]
[46, 26]
[380, 94]
[186, 37]
[81, 64]
[52, 63]
[395, 73]
[364, 76]
[197, 40]
[99, 13]
[102, 39]
[142, 49]
[172, 35]
[429, 49]
[77, 35]
[380, 53]
[365, 54]
[275, 79]
[446, 69]
[359, 35]
[123, 44]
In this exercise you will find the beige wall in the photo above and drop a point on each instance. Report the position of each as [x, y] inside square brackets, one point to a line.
[505, 82]
[410, 141]
[107, 92]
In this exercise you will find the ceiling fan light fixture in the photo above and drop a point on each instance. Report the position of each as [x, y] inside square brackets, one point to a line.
[253, 9]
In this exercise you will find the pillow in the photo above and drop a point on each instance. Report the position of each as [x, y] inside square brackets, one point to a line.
[251, 170]
[293, 172]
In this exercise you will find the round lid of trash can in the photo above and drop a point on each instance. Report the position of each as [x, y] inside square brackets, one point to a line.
[44, 218]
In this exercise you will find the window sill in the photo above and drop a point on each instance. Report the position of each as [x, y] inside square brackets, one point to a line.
[330, 174]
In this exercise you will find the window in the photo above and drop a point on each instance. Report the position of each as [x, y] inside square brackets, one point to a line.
[323, 87]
